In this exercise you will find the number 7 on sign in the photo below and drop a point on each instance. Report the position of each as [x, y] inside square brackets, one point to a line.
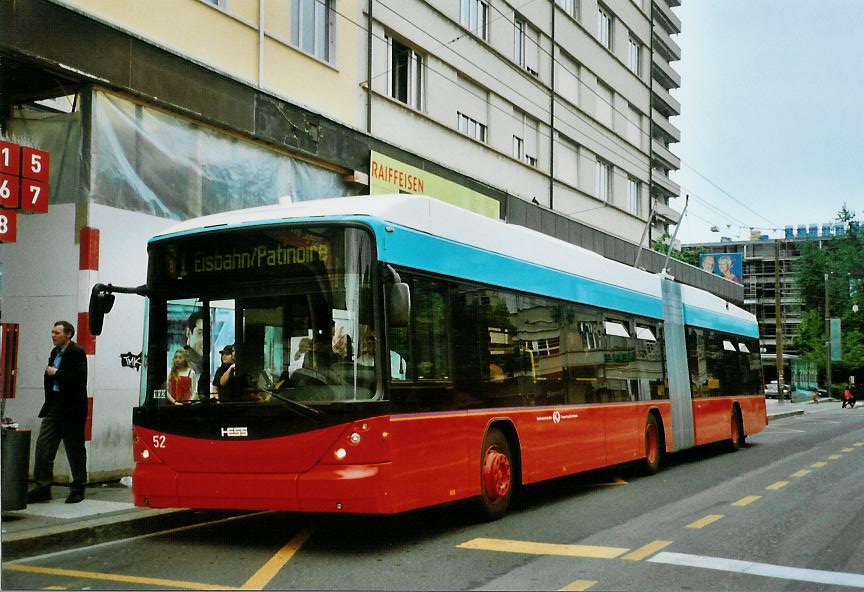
[34, 196]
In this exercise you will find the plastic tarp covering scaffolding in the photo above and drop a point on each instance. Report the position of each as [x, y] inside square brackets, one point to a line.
[145, 160]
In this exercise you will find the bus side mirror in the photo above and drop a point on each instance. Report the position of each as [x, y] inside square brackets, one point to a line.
[101, 303]
[398, 305]
[398, 299]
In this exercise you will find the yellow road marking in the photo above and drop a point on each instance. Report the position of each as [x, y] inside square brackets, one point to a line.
[649, 549]
[94, 575]
[269, 570]
[800, 473]
[777, 485]
[746, 501]
[578, 586]
[818, 465]
[54, 588]
[835, 456]
[530, 548]
[848, 450]
[702, 522]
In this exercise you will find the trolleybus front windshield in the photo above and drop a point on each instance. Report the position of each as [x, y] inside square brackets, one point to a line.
[274, 315]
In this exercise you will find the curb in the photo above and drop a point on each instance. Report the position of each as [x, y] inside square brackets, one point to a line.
[50, 539]
[785, 414]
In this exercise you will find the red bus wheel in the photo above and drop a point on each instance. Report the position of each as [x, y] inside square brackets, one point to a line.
[653, 446]
[496, 474]
[736, 434]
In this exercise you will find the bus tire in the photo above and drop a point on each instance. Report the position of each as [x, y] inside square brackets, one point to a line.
[496, 474]
[653, 446]
[736, 434]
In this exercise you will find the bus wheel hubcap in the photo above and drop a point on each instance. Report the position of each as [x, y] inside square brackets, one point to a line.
[651, 443]
[496, 474]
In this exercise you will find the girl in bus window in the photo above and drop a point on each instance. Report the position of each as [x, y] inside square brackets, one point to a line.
[181, 378]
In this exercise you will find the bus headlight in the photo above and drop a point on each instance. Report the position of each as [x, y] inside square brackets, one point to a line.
[354, 438]
[340, 453]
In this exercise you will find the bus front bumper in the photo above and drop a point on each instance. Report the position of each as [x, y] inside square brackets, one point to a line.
[356, 489]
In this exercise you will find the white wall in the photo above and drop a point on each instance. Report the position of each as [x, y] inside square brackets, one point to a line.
[41, 286]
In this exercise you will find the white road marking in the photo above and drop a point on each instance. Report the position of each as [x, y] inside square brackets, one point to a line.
[767, 570]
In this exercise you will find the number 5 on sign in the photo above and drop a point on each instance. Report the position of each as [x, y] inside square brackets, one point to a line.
[34, 196]
[8, 226]
[34, 164]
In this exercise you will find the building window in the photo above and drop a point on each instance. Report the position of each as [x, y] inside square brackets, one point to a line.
[605, 102]
[526, 44]
[634, 197]
[603, 181]
[604, 27]
[471, 127]
[310, 27]
[634, 57]
[634, 127]
[525, 138]
[571, 7]
[567, 160]
[475, 17]
[405, 82]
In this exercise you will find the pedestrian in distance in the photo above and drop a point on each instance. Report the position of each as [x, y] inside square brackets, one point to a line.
[848, 397]
[64, 416]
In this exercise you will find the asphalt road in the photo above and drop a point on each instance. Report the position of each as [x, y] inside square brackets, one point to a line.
[784, 513]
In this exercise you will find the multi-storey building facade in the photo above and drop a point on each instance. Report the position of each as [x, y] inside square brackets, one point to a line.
[767, 264]
[553, 114]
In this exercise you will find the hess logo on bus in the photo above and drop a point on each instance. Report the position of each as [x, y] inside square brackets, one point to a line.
[235, 432]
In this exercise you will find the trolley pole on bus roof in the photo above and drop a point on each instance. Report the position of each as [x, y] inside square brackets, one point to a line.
[778, 319]
[675, 234]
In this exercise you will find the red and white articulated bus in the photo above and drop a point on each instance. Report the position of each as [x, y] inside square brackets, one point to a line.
[396, 352]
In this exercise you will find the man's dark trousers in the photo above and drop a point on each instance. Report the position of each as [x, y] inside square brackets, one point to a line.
[51, 432]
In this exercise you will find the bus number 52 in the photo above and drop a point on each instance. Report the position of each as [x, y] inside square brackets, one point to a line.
[159, 441]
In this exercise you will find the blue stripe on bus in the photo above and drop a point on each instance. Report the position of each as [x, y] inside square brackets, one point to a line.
[709, 319]
[415, 249]
[422, 251]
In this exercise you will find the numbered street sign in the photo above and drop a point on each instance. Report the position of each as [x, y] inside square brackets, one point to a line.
[9, 191]
[10, 158]
[34, 196]
[8, 226]
[34, 164]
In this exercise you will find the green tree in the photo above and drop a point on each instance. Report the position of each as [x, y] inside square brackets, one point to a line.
[691, 256]
[834, 267]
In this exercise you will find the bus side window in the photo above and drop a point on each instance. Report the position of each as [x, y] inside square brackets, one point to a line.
[431, 358]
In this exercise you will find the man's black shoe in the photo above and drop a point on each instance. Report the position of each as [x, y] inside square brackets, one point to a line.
[75, 497]
[39, 495]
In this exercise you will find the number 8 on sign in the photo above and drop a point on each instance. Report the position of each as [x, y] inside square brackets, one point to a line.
[8, 226]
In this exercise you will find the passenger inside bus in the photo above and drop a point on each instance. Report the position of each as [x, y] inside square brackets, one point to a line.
[229, 386]
[181, 379]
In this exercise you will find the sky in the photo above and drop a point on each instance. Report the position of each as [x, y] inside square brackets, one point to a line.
[772, 115]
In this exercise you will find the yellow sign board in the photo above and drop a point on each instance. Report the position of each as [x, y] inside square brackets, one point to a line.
[388, 175]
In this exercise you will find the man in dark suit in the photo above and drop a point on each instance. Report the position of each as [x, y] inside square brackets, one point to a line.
[64, 415]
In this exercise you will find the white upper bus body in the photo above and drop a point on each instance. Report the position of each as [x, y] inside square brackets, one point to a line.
[435, 218]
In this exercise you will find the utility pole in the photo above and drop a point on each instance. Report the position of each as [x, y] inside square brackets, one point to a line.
[778, 319]
[827, 341]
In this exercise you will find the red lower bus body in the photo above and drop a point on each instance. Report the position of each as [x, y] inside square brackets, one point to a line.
[401, 462]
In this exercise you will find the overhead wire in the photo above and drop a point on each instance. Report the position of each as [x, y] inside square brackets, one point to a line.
[543, 109]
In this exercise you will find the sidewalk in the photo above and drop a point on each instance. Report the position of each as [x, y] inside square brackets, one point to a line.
[108, 513]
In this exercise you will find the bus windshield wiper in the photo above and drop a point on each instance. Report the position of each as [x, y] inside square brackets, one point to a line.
[300, 408]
